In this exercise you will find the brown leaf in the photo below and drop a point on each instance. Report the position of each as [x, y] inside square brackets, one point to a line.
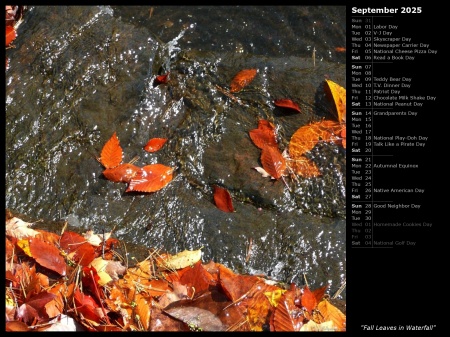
[111, 154]
[196, 318]
[47, 255]
[273, 161]
[338, 94]
[235, 285]
[155, 144]
[242, 79]
[151, 178]
[287, 103]
[122, 173]
[222, 198]
[264, 134]
[198, 278]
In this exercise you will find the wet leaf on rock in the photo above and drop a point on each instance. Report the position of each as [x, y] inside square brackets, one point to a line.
[242, 79]
[111, 155]
[222, 198]
[155, 144]
[151, 178]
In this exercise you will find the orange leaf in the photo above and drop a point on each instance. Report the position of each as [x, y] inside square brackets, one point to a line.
[47, 255]
[155, 144]
[222, 198]
[10, 35]
[287, 316]
[338, 95]
[340, 49]
[273, 161]
[151, 178]
[287, 103]
[111, 155]
[304, 167]
[264, 134]
[242, 79]
[122, 173]
[330, 313]
[309, 301]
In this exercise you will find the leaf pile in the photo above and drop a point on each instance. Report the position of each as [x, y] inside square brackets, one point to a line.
[78, 282]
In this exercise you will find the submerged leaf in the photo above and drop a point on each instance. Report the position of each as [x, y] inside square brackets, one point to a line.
[264, 134]
[242, 79]
[222, 198]
[111, 155]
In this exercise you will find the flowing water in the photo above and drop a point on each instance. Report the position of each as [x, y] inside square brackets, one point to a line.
[79, 74]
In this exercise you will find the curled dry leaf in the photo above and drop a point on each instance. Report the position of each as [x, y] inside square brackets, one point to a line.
[287, 103]
[155, 144]
[222, 198]
[242, 79]
[18, 228]
[151, 178]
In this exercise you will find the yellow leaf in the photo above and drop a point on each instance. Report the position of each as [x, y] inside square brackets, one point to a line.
[25, 245]
[313, 326]
[183, 259]
[274, 296]
[100, 265]
[338, 94]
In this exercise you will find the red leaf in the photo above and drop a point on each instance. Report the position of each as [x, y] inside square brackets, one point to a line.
[161, 79]
[10, 35]
[264, 134]
[242, 79]
[155, 144]
[47, 255]
[86, 306]
[122, 173]
[273, 161]
[222, 199]
[151, 178]
[77, 248]
[111, 155]
[287, 103]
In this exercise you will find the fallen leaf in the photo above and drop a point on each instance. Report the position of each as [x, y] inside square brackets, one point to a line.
[264, 134]
[287, 316]
[287, 103]
[155, 144]
[151, 178]
[222, 198]
[11, 35]
[47, 255]
[181, 260]
[338, 95]
[77, 248]
[122, 173]
[196, 318]
[340, 49]
[161, 79]
[18, 228]
[242, 79]
[329, 312]
[313, 326]
[273, 161]
[111, 155]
